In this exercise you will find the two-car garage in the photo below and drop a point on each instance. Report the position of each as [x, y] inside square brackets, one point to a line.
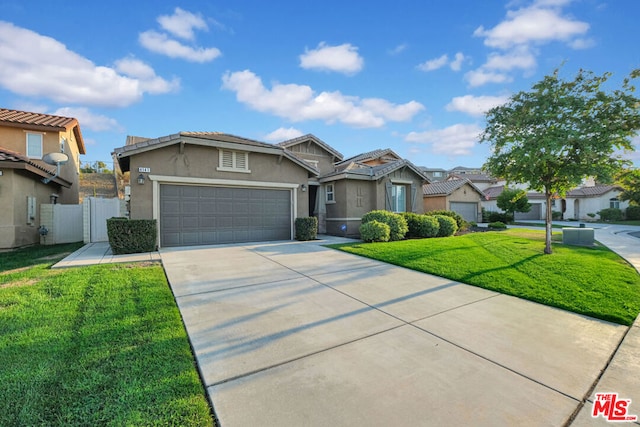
[208, 215]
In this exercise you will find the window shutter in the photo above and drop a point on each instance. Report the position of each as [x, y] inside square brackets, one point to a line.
[226, 160]
[241, 160]
[414, 197]
[388, 196]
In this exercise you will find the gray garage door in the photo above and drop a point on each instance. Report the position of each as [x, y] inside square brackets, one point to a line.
[468, 211]
[195, 215]
[534, 213]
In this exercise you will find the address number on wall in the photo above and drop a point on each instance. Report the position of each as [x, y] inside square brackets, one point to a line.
[148, 170]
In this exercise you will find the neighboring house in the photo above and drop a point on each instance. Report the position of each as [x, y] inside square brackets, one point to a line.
[210, 188]
[459, 195]
[480, 180]
[585, 200]
[26, 181]
[576, 205]
[434, 174]
[463, 170]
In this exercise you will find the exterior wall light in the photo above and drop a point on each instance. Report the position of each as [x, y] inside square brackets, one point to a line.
[141, 179]
[304, 187]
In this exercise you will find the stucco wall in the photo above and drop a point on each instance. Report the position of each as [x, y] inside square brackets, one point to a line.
[15, 187]
[15, 139]
[434, 203]
[312, 151]
[201, 162]
[589, 205]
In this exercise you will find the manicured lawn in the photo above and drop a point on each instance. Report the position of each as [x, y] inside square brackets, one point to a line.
[591, 281]
[101, 345]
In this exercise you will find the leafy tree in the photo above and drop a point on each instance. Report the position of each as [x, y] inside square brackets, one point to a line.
[513, 200]
[629, 180]
[560, 132]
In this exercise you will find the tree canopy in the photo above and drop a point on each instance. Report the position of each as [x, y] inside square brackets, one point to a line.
[562, 131]
[513, 200]
[629, 180]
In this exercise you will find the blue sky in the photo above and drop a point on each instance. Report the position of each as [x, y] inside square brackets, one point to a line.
[413, 76]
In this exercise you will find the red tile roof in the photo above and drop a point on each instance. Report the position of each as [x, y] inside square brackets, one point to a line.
[39, 121]
[12, 156]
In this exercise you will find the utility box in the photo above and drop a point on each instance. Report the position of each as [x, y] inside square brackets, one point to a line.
[578, 236]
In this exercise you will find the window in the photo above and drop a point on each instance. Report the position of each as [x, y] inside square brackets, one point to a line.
[233, 161]
[614, 203]
[553, 203]
[330, 194]
[437, 174]
[34, 145]
[63, 142]
[398, 198]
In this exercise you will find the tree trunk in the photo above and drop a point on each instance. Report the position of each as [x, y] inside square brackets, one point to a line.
[548, 219]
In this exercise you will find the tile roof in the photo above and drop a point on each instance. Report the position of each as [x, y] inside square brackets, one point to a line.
[39, 121]
[225, 137]
[290, 142]
[444, 188]
[595, 191]
[12, 156]
[493, 192]
[374, 172]
[370, 155]
[475, 177]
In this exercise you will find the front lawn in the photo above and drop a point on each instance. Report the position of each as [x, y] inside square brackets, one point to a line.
[100, 345]
[591, 281]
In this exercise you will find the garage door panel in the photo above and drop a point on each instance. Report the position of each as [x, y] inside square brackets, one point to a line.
[534, 213]
[199, 215]
[468, 211]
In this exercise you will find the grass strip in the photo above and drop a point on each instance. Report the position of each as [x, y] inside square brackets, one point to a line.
[587, 280]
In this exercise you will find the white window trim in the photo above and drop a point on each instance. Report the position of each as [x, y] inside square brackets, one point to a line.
[41, 145]
[395, 199]
[234, 161]
[332, 193]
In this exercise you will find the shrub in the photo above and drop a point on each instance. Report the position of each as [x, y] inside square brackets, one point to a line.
[396, 222]
[428, 226]
[633, 212]
[131, 236]
[500, 217]
[412, 223]
[485, 215]
[306, 228]
[555, 215]
[610, 214]
[374, 231]
[473, 224]
[460, 222]
[448, 226]
[497, 225]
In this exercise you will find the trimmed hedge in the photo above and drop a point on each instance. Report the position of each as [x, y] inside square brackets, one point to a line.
[428, 226]
[306, 228]
[412, 223]
[374, 231]
[500, 217]
[498, 225]
[131, 236]
[633, 212]
[448, 225]
[460, 222]
[610, 214]
[396, 222]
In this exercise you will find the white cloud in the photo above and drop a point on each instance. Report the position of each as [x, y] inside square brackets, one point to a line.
[481, 77]
[161, 43]
[442, 61]
[518, 58]
[37, 65]
[475, 105]
[88, 120]
[456, 64]
[182, 23]
[541, 23]
[342, 59]
[458, 139]
[149, 81]
[283, 134]
[300, 102]
[398, 49]
[434, 64]
[580, 44]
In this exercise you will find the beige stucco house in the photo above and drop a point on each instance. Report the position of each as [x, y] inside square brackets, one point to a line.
[26, 181]
[210, 188]
[458, 195]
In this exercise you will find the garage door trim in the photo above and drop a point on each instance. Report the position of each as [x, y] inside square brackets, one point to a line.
[157, 180]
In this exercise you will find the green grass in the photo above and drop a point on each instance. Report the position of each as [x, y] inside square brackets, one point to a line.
[100, 345]
[592, 281]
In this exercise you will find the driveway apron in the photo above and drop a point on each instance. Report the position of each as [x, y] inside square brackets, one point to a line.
[294, 333]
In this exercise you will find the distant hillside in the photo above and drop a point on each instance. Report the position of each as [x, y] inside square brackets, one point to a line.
[98, 185]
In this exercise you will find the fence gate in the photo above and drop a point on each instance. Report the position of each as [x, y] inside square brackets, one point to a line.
[99, 210]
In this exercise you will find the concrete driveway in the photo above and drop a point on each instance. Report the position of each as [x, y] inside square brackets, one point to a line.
[293, 333]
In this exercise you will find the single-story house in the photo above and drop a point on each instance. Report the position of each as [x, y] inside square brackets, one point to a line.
[210, 188]
[585, 200]
[458, 195]
[26, 181]
[537, 201]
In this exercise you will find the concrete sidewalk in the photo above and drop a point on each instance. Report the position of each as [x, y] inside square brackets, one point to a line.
[100, 253]
[293, 333]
